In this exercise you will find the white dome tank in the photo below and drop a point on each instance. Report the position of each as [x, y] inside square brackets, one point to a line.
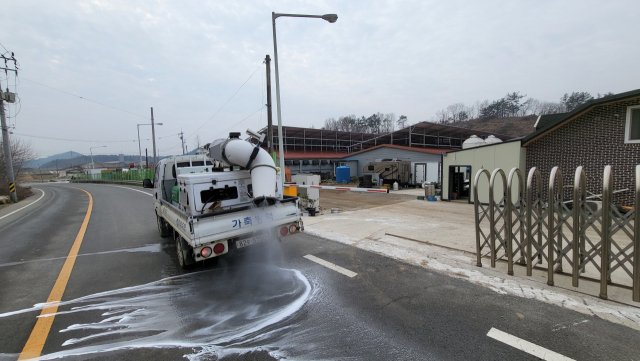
[472, 142]
[492, 140]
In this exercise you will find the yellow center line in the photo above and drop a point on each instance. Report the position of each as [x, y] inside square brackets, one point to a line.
[35, 343]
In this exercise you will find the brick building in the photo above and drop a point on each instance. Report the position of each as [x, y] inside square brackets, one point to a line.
[602, 132]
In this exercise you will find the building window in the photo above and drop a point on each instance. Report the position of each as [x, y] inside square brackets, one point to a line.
[632, 130]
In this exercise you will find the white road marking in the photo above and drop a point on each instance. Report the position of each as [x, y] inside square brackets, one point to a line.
[330, 265]
[526, 346]
[131, 189]
[19, 209]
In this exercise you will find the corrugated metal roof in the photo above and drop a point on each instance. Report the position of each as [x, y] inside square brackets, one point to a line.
[313, 155]
[413, 149]
[423, 134]
[340, 155]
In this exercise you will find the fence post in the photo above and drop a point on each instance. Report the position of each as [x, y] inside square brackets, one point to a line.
[476, 207]
[579, 198]
[509, 218]
[529, 231]
[551, 213]
[492, 212]
[636, 240]
[607, 184]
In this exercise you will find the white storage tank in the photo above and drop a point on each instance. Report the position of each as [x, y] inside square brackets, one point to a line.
[492, 140]
[310, 197]
[472, 142]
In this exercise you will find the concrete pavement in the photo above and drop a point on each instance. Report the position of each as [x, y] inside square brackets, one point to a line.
[441, 236]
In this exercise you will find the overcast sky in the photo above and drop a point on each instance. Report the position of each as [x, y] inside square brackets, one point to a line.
[187, 58]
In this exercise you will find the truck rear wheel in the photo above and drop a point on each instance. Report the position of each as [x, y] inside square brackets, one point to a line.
[185, 254]
[162, 227]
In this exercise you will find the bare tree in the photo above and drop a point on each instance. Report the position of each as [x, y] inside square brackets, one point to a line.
[388, 123]
[376, 123]
[196, 141]
[21, 153]
[457, 113]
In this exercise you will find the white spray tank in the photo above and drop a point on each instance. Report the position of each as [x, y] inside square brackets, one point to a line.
[235, 151]
[395, 186]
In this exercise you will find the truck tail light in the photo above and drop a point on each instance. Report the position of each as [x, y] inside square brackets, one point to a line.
[206, 252]
[284, 231]
[293, 228]
[218, 248]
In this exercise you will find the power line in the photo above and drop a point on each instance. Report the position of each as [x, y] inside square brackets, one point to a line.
[167, 136]
[252, 114]
[87, 99]
[225, 103]
[87, 141]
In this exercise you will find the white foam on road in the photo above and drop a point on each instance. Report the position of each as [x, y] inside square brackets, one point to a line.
[28, 205]
[149, 248]
[332, 266]
[526, 346]
[255, 309]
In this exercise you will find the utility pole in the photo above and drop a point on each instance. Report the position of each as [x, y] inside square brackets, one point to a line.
[153, 134]
[182, 140]
[269, 114]
[146, 158]
[10, 98]
[139, 146]
[7, 155]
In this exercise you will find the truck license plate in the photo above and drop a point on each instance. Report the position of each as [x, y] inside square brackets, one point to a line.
[249, 241]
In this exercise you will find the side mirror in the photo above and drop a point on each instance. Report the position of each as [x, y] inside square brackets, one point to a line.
[146, 183]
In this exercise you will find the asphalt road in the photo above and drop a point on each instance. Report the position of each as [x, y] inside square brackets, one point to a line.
[127, 299]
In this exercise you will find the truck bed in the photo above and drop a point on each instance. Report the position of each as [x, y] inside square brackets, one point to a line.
[228, 224]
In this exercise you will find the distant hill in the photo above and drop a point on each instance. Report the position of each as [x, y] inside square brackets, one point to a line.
[72, 162]
[82, 159]
[41, 161]
[514, 126]
[59, 161]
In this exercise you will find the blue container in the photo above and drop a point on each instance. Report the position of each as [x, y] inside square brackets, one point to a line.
[343, 174]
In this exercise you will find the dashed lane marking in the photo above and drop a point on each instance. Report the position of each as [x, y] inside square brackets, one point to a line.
[40, 332]
[332, 266]
[526, 346]
[28, 205]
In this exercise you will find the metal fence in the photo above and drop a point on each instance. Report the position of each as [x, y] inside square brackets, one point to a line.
[132, 174]
[598, 238]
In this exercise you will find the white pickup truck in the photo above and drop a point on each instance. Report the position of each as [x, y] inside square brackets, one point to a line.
[222, 202]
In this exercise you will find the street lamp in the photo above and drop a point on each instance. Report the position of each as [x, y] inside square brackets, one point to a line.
[332, 18]
[139, 146]
[93, 165]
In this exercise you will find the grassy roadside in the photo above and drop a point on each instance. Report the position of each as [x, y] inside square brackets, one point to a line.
[23, 193]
